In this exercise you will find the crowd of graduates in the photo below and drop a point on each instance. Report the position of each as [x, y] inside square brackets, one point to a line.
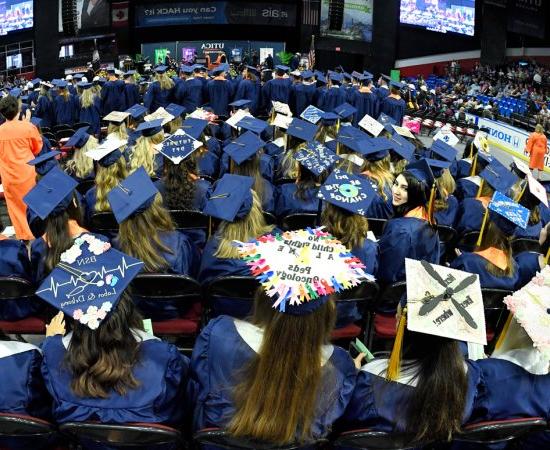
[248, 154]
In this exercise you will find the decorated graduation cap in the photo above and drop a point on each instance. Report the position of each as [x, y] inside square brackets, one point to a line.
[312, 114]
[507, 214]
[194, 127]
[530, 307]
[537, 190]
[442, 150]
[151, 128]
[107, 152]
[387, 121]
[132, 195]
[252, 124]
[89, 280]
[299, 270]
[175, 109]
[116, 117]
[244, 147]
[348, 191]
[316, 157]
[302, 130]
[345, 110]
[52, 194]
[136, 111]
[231, 198]
[79, 138]
[45, 162]
[179, 146]
[442, 302]
[520, 167]
[371, 125]
[438, 166]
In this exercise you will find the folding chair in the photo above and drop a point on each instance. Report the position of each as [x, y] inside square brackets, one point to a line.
[18, 290]
[137, 436]
[383, 320]
[495, 313]
[20, 431]
[447, 238]
[467, 241]
[374, 440]
[85, 186]
[299, 221]
[103, 223]
[520, 245]
[270, 219]
[377, 225]
[497, 431]
[78, 125]
[186, 219]
[230, 295]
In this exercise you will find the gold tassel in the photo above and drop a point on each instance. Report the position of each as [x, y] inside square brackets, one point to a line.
[504, 331]
[474, 165]
[431, 203]
[480, 237]
[479, 189]
[522, 191]
[394, 364]
[547, 257]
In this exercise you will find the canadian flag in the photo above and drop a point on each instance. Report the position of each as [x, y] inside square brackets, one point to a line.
[120, 14]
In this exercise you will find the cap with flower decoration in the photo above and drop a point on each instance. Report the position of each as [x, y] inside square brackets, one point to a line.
[299, 270]
[316, 157]
[89, 280]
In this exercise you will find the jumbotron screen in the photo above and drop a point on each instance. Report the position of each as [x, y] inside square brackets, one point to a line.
[443, 16]
[15, 15]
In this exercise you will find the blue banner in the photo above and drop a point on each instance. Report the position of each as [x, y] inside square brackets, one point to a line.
[215, 13]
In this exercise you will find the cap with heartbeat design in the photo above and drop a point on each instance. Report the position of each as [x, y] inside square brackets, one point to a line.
[89, 280]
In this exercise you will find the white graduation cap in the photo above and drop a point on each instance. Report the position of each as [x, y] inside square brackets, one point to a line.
[282, 108]
[403, 131]
[237, 117]
[537, 189]
[282, 121]
[116, 116]
[447, 136]
[371, 125]
[521, 165]
[161, 114]
[108, 146]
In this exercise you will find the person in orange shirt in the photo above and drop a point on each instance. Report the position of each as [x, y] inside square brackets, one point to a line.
[537, 148]
[19, 142]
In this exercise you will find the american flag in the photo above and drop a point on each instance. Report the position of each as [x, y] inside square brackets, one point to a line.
[310, 12]
[311, 54]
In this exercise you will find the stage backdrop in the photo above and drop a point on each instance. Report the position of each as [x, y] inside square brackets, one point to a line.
[527, 17]
[347, 19]
[88, 17]
[154, 13]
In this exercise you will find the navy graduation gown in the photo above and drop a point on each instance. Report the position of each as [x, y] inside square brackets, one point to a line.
[44, 110]
[14, 262]
[92, 115]
[380, 208]
[227, 345]
[131, 95]
[474, 263]
[112, 96]
[366, 103]
[405, 237]
[22, 390]
[208, 163]
[180, 91]
[66, 111]
[331, 98]
[395, 108]
[461, 168]
[466, 188]
[469, 216]
[380, 404]
[194, 94]
[528, 265]
[448, 216]
[155, 97]
[302, 95]
[267, 166]
[162, 373]
[248, 90]
[220, 93]
[276, 89]
[287, 202]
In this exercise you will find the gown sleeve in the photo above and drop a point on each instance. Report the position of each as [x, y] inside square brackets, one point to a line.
[394, 247]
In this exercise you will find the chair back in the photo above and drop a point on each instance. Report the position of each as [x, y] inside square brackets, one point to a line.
[467, 241]
[222, 439]
[166, 286]
[299, 221]
[389, 298]
[269, 218]
[493, 432]
[132, 435]
[78, 125]
[59, 127]
[13, 288]
[377, 226]
[495, 311]
[20, 431]
[231, 295]
[85, 186]
[103, 222]
[520, 245]
[64, 133]
[374, 440]
[447, 235]
[186, 219]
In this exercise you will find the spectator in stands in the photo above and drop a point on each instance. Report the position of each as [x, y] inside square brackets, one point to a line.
[19, 141]
[543, 116]
[537, 149]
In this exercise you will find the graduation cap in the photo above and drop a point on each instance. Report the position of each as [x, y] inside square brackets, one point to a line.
[198, 67]
[252, 124]
[175, 109]
[160, 113]
[335, 76]
[396, 84]
[356, 74]
[129, 73]
[253, 70]
[46, 84]
[306, 74]
[368, 75]
[348, 191]
[345, 110]
[536, 189]
[15, 92]
[52, 194]
[387, 121]
[116, 117]
[530, 307]
[108, 152]
[312, 114]
[506, 214]
[443, 150]
[316, 157]
[404, 148]
[277, 261]
[36, 81]
[438, 166]
[62, 84]
[45, 162]
[136, 111]
[79, 138]
[240, 104]
[84, 85]
[132, 195]
[329, 118]
[219, 69]
[186, 69]
[282, 69]
[244, 147]
[422, 171]
[302, 130]
[89, 280]
[194, 127]
[161, 69]
[498, 176]
[151, 128]
[179, 146]
[521, 168]
[231, 198]
[320, 76]
[376, 149]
